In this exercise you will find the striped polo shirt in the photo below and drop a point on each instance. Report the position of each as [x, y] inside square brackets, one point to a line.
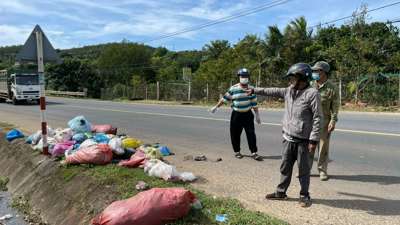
[241, 102]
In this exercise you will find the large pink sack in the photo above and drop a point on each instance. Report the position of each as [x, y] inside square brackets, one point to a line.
[99, 154]
[104, 128]
[136, 160]
[153, 207]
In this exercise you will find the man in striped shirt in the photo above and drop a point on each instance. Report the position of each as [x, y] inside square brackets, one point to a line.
[242, 117]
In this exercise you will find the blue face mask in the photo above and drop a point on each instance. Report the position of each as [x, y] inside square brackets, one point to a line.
[315, 76]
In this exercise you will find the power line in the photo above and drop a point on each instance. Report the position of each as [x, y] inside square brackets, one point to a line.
[347, 17]
[222, 20]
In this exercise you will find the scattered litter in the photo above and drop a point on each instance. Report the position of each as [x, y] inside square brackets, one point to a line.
[14, 134]
[218, 160]
[165, 151]
[79, 125]
[188, 158]
[142, 186]
[156, 206]
[6, 217]
[200, 158]
[158, 168]
[187, 177]
[221, 218]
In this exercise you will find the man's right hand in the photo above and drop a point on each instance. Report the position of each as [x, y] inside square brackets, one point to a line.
[213, 109]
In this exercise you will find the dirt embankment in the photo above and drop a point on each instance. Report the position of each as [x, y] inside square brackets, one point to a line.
[60, 199]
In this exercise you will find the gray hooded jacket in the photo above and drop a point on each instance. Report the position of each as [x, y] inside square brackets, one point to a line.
[303, 114]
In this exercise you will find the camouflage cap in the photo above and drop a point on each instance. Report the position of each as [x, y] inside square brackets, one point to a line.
[322, 65]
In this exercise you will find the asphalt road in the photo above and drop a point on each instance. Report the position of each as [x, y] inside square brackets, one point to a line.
[365, 148]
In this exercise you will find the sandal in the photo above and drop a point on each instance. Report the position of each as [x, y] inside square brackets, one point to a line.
[255, 156]
[238, 155]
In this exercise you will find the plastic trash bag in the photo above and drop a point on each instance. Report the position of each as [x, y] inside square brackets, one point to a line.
[50, 142]
[104, 128]
[33, 139]
[116, 146]
[101, 138]
[156, 206]
[136, 160]
[187, 177]
[79, 138]
[79, 125]
[63, 135]
[60, 148]
[164, 150]
[131, 143]
[14, 134]
[100, 154]
[152, 153]
[157, 168]
[88, 143]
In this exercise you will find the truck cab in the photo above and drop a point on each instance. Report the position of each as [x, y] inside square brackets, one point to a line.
[23, 87]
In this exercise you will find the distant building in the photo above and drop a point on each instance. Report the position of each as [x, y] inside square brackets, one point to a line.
[3, 73]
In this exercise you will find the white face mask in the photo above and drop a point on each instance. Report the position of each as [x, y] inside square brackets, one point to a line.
[244, 80]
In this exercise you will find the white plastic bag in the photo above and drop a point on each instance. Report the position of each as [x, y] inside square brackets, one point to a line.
[87, 143]
[162, 170]
[116, 146]
[63, 135]
[187, 177]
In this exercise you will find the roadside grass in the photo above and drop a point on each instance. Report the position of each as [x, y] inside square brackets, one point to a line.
[3, 183]
[125, 179]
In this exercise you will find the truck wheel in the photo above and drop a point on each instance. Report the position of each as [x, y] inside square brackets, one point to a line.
[15, 101]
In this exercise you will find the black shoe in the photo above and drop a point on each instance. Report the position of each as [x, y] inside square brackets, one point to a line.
[255, 156]
[305, 201]
[238, 155]
[276, 196]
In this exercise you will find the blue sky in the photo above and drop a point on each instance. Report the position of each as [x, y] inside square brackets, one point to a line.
[76, 23]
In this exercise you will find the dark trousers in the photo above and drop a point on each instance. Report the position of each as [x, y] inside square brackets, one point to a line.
[240, 121]
[293, 151]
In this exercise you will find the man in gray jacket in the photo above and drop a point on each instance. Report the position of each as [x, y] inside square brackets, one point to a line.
[301, 128]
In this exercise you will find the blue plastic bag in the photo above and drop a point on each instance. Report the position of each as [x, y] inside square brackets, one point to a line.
[79, 138]
[221, 218]
[101, 138]
[165, 151]
[79, 125]
[14, 134]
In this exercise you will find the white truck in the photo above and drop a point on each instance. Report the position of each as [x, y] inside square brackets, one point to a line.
[19, 87]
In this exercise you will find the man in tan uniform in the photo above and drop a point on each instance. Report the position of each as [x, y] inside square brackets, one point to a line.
[330, 107]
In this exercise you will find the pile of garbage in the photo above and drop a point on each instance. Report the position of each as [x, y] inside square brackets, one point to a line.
[86, 143]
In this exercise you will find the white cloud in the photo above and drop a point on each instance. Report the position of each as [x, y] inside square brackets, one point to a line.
[207, 10]
[13, 35]
[16, 6]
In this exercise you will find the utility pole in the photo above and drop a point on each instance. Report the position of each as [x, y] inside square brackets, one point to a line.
[40, 63]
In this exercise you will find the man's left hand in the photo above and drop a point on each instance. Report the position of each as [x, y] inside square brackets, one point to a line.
[331, 127]
[312, 147]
